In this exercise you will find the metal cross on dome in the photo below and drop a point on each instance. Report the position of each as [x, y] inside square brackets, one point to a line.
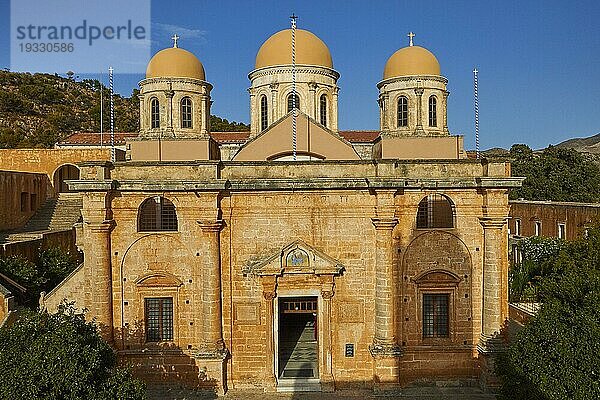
[175, 38]
[410, 38]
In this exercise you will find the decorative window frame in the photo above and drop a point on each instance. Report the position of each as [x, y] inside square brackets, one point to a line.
[158, 285]
[437, 281]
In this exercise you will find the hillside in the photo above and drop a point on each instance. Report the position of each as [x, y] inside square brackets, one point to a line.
[583, 145]
[37, 110]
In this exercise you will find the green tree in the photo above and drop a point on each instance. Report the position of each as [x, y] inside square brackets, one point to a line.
[51, 267]
[555, 174]
[61, 356]
[557, 354]
[218, 124]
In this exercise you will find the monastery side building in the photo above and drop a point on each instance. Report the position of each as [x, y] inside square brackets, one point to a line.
[296, 265]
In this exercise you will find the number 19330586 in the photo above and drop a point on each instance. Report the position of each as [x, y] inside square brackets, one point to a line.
[46, 47]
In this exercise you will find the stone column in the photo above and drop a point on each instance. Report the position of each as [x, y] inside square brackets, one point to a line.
[169, 115]
[312, 98]
[97, 227]
[446, 94]
[211, 304]
[380, 102]
[204, 125]
[274, 114]
[385, 349]
[384, 281]
[419, 128]
[326, 367]
[491, 319]
[254, 117]
[143, 117]
[385, 99]
[269, 284]
[98, 263]
[333, 125]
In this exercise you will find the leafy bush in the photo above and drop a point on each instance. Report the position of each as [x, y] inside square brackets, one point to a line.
[61, 356]
[557, 354]
[52, 266]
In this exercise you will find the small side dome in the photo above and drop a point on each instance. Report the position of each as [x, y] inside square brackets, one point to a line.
[175, 63]
[411, 60]
[277, 50]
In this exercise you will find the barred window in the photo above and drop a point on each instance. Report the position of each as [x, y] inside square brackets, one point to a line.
[186, 112]
[159, 319]
[155, 113]
[323, 109]
[435, 316]
[293, 102]
[264, 113]
[432, 111]
[157, 214]
[402, 111]
[435, 211]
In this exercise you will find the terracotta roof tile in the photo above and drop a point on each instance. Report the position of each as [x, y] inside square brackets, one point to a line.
[93, 138]
[230, 137]
[359, 136]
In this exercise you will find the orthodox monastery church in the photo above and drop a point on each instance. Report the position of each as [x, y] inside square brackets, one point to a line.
[295, 259]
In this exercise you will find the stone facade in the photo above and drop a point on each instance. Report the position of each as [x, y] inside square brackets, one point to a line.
[544, 218]
[225, 266]
[297, 265]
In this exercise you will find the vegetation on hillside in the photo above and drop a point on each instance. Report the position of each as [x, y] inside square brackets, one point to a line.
[557, 354]
[37, 110]
[557, 174]
[61, 356]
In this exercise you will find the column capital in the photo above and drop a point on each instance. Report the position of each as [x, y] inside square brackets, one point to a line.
[169, 93]
[269, 295]
[492, 223]
[327, 294]
[211, 226]
[104, 226]
[384, 223]
[419, 91]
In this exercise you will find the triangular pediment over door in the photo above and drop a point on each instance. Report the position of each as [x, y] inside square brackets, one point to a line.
[294, 258]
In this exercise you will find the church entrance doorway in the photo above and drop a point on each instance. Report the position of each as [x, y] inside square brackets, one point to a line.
[298, 332]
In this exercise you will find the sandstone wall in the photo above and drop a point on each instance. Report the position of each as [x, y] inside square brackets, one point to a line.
[21, 194]
[47, 161]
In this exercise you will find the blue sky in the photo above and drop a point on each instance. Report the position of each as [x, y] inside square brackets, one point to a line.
[539, 61]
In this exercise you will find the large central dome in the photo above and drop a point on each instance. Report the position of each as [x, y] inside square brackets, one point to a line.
[277, 50]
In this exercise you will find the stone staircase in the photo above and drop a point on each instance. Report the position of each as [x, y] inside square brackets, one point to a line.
[57, 214]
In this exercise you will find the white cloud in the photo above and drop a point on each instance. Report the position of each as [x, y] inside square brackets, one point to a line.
[168, 30]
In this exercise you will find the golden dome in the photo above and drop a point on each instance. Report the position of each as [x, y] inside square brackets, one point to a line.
[277, 50]
[175, 63]
[411, 60]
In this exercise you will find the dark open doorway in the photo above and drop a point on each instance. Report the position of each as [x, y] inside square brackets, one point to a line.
[63, 174]
[298, 345]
